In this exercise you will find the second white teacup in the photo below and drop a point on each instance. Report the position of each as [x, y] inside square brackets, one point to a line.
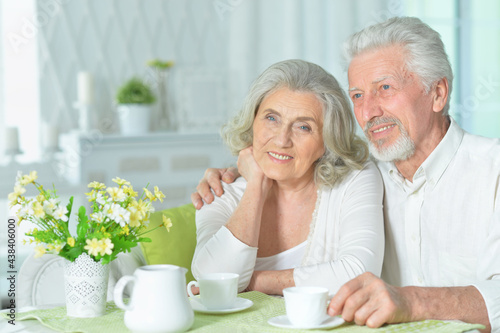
[306, 306]
[218, 291]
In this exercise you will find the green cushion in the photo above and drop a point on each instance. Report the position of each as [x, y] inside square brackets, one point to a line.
[175, 247]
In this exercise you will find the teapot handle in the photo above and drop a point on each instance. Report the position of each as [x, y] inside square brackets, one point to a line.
[118, 293]
[191, 284]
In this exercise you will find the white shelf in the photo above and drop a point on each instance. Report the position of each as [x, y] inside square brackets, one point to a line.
[173, 161]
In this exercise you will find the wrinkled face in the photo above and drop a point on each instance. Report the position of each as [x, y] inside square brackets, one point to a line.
[390, 103]
[287, 135]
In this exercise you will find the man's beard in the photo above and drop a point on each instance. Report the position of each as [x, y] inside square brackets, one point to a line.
[400, 150]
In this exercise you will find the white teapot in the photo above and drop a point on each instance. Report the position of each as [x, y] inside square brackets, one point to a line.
[159, 301]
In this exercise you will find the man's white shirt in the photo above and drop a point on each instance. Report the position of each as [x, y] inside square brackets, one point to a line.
[443, 229]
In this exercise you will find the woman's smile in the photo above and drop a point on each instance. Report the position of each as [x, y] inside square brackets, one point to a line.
[280, 156]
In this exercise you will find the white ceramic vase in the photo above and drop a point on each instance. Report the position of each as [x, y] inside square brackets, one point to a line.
[86, 287]
[134, 118]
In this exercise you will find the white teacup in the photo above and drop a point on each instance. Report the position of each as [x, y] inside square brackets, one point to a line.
[218, 291]
[306, 306]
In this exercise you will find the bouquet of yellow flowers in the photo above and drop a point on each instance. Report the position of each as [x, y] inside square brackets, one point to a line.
[116, 223]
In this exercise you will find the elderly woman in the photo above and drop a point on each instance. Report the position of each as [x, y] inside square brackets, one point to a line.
[308, 209]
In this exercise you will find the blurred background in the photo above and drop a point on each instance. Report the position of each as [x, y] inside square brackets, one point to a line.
[62, 63]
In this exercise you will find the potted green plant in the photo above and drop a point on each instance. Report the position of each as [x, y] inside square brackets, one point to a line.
[134, 99]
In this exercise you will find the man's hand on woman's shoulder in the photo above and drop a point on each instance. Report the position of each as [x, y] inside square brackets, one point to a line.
[212, 181]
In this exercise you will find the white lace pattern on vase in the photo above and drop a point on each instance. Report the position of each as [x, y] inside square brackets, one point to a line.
[86, 285]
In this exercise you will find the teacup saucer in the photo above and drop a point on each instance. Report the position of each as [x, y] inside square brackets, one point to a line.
[239, 305]
[283, 322]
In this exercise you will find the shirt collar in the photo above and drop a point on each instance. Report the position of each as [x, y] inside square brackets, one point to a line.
[436, 163]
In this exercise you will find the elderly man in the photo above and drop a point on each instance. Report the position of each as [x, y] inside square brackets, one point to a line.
[442, 186]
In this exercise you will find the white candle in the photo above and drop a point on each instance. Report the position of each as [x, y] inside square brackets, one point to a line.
[85, 88]
[50, 136]
[11, 138]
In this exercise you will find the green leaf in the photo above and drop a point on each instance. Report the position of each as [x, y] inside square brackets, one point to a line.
[83, 226]
[107, 259]
[71, 253]
[69, 207]
[144, 240]
[121, 244]
[65, 224]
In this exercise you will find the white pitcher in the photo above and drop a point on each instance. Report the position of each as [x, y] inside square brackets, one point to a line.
[159, 301]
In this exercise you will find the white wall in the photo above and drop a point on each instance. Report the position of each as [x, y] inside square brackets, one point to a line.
[113, 40]
[19, 105]
[222, 43]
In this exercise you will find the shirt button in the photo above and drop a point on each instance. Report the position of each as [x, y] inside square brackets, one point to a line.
[414, 238]
[420, 281]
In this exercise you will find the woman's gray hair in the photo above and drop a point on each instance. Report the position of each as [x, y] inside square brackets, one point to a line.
[344, 150]
[426, 56]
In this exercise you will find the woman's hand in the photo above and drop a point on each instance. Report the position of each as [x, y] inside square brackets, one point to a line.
[251, 171]
[245, 222]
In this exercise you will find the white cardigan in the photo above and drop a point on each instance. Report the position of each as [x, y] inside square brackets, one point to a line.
[346, 239]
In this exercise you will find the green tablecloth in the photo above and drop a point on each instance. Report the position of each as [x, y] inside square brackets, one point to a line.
[253, 319]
